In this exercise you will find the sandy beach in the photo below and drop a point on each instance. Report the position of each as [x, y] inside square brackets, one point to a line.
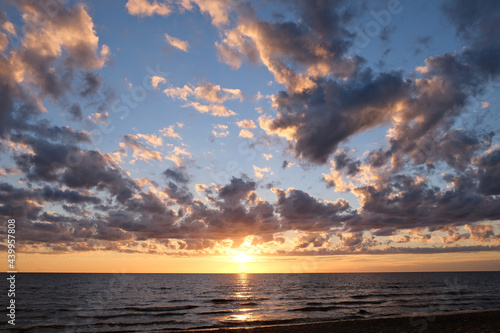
[470, 322]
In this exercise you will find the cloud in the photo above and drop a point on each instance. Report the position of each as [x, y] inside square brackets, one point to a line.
[98, 118]
[331, 97]
[208, 92]
[217, 9]
[218, 110]
[200, 187]
[489, 173]
[266, 123]
[482, 232]
[317, 43]
[151, 139]
[405, 202]
[246, 123]
[177, 43]
[318, 120]
[244, 133]
[179, 93]
[140, 151]
[178, 155]
[474, 21]
[228, 56]
[300, 211]
[92, 83]
[267, 156]
[259, 172]
[146, 8]
[220, 131]
[170, 133]
[49, 55]
[179, 176]
[76, 112]
[205, 91]
[4, 172]
[157, 80]
[72, 30]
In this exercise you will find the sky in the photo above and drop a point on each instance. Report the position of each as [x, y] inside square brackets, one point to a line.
[250, 136]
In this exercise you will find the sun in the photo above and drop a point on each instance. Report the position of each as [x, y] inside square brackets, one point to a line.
[241, 257]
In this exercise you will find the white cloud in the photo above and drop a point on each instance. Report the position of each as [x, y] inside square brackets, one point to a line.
[177, 156]
[177, 43]
[214, 109]
[259, 172]
[208, 92]
[146, 8]
[157, 80]
[98, 118]
[152, 139]
[170, 133]
[244, 133]
[220, 131]
[246, 123]
[217, 9]
[267, 156]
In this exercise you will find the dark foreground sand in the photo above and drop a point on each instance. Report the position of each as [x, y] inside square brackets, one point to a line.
[470, 322]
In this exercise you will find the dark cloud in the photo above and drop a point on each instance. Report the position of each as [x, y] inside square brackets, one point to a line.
[94, 171]
[64, 134]
[47, 158]
[476, 21]
[69, 196]
[76, 112]
[489, 173]
[16, 106]
[331, 113]
[300, 211]
[179, 176]
[27, 203]
[181, 195]
[346, 163]
[237, 190]
[92, 83]
[458, 147]
[405, 202]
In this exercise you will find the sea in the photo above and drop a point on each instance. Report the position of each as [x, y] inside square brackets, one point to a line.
[74, 302]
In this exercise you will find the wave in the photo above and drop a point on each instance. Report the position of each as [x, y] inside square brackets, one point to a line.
[215, 312]
[222, 300]
[159, 308]
[361, 302]
[316, 308]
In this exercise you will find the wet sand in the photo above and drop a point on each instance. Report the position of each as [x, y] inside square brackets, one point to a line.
[470, 322]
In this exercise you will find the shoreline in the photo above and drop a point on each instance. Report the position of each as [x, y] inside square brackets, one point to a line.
[462, 321]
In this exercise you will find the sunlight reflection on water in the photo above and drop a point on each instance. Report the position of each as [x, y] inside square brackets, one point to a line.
[244, 293]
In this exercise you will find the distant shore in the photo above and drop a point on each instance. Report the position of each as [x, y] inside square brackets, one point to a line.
[470, 322]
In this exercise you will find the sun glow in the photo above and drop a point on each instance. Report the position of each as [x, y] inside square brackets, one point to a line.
[241, 257]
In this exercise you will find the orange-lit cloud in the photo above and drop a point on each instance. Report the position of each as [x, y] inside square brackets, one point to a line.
[147, 8]
[177, 43]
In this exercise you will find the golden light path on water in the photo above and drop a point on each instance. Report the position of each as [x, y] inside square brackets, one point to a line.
[243, 292]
